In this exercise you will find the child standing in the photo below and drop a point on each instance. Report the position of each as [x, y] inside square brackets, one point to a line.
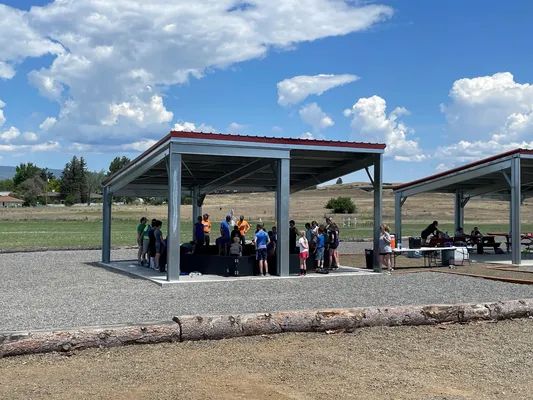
[320, 243]
[235, 250]
[304, 253]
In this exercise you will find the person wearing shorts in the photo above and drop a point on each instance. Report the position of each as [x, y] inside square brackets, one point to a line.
[303, 244]
[146, 245]
[261, 242]
[319, 257]
[385, 249]
[158, 235]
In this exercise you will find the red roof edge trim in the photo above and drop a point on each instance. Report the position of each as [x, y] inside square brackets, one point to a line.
[462, 168]
[273, 140]
[138, 158]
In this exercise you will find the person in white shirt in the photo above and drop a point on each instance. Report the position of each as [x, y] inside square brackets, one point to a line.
[304, 253]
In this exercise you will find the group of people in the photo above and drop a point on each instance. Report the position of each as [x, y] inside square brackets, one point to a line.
[460, 235]
[318, 241]
[151, 243]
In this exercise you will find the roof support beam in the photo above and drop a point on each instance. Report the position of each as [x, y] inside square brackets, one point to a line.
[507, 178]
[236, 175]
[342, 170]
[487, 189]
[228, 151]
[136, 171]
[466, 175]
[369, 176]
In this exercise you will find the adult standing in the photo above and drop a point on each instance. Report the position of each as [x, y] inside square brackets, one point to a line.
[244, 227]
[293, 234]
[146, 244]
[432, 229]
[140, 233]
[224, 236]
[199, 236]
[158, 235]
[385, 248]
[261, 241]
[333, 246]
[207, 228]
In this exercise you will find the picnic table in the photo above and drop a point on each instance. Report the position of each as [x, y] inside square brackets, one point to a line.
[429, 254]
[528, 236]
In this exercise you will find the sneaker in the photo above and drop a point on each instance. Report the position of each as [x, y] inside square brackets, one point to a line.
[267, 274]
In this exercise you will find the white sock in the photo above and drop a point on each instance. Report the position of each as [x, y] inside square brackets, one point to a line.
[152, 262]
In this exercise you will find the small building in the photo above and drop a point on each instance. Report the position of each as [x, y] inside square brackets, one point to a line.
[8, 201]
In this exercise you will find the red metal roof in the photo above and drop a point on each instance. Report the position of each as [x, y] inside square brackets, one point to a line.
[9, 199]
[251, 139]
[274, 140]
[463, 167]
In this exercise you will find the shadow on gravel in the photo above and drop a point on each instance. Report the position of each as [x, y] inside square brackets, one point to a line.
[118, 272]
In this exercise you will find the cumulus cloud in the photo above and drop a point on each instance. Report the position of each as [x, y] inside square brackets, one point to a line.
[313, 115]
[307, 135]
[191, 127]
[2, 118]
[48, 123]
[10, 134]
[236, 128]
[487, 115]
[41, 147]
[370, 119]
[112, 65]
[297, 89]
[30, 136]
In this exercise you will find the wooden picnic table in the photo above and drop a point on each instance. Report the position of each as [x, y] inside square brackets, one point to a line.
[526, 235]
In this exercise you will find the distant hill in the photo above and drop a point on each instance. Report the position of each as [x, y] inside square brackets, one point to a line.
[7, 172]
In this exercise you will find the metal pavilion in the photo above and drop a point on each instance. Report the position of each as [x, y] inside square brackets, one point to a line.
[505, 177]
[197, 164]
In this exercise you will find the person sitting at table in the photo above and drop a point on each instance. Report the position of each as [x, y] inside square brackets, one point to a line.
[476, 235]
[460, 232]
[432, 229]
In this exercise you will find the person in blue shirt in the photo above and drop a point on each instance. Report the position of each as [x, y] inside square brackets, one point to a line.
[320, 242]
[261, 242]
[224, 239]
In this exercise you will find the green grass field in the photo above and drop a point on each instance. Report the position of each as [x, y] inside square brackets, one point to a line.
[33, 234]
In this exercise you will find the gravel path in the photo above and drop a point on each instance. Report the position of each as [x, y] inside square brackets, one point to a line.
[454, 362]
[62, 289]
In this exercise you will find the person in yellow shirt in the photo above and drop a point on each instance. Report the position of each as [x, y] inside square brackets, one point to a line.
[207, 228]
[243, 228]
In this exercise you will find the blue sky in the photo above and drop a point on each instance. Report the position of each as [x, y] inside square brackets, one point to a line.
[452, 75]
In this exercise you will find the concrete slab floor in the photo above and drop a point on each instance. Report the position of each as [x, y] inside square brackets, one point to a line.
[132, 268]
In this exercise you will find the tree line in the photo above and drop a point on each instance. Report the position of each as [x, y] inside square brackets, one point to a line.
[34, 184]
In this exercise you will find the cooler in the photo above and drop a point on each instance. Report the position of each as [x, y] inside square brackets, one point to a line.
[393, 241]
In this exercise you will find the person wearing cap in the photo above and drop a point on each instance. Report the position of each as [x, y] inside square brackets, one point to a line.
[244, 227]
[207, 228]
[224, 238]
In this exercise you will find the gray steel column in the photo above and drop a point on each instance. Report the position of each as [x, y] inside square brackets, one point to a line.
[106, 225]
[174, 202]
[378, 198]
[398, 218]
[458, 210]
[282, 215]
[196, 211]
[516, 197]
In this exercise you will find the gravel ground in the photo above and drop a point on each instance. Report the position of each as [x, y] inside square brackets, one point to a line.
[450, 362]
[62, 290]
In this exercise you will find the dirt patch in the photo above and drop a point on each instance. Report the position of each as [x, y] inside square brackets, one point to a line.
[475, 361]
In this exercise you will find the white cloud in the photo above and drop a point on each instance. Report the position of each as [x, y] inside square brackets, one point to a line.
[30, 136]
[307, 135]
[297, 89]
[313, 115]
[48, 123]
[9, 135]
[112, 62]
[277, 129]
[41, 147]
[191, 127]
[140, 112]
[370, 119]
[6, 71]
[2, 118]
[487, 115]
[236, 128]
[139, 146]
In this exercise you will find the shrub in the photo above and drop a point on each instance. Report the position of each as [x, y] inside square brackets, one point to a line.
[69, 200]
[339, 181]
[341, 205]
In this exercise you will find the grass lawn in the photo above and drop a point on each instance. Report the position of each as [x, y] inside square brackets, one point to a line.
[81, 233]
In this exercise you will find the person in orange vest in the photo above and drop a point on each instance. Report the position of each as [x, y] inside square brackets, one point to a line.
[243, 227]
[207, 228]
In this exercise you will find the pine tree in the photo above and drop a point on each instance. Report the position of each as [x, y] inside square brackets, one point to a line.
[74, 181]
